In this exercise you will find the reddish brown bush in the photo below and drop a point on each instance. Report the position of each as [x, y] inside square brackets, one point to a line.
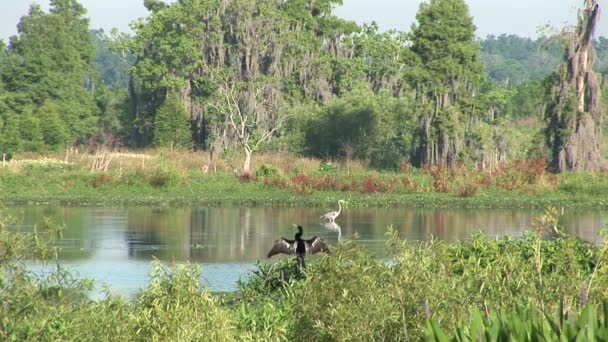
[101, 180]
[326, 182]
[369, 185]
[301, 184]
[352, 186]
[409, 183]
[247, 177]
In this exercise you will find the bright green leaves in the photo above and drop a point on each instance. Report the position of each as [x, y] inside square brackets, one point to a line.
[171, 126]
[444, 41]
[51, 60]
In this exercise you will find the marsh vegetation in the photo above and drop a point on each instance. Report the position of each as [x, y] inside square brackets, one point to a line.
[543, 283]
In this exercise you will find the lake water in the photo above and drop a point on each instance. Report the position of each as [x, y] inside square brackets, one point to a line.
[116, 246]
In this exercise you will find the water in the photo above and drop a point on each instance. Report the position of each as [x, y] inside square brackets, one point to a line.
[116, 246]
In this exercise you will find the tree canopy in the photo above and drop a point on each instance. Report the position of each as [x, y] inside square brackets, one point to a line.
[284, 74]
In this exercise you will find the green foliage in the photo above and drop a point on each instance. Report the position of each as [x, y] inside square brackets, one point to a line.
[515, 60]
[30, 133]
[52, 59]
[498, 288]
[445, 72]
[10, 139]
[361, 125]
[530, 325]
[171, 125]
[52, 127]
[327, 167]
[269, 301]
[267, 170]
[174, 308]
[112, 66]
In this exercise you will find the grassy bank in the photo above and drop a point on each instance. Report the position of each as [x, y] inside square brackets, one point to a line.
[183, 178]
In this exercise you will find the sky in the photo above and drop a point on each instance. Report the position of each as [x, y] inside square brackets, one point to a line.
[521, 17]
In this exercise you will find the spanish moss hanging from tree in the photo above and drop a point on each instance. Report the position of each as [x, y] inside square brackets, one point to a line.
[574, 116]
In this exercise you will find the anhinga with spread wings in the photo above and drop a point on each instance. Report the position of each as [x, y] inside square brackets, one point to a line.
[331, 216]
[299, 246]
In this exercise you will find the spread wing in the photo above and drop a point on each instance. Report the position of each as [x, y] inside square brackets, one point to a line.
[316, 245]
[284, 246]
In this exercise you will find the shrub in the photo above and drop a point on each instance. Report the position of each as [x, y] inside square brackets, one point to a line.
[173, 308]
[267, 170]
[171, 125]
[327, 167]
[165, 175]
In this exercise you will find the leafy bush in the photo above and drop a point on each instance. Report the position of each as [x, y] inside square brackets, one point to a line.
[172, 308]
[327, 167]
[165, 175]
[267, 170]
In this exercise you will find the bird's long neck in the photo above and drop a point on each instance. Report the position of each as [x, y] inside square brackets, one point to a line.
[299, 234]
[339, 207]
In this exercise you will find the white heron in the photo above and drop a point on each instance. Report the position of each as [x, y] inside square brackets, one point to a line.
[331, 216]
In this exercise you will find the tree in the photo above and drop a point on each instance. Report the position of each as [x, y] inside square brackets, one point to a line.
[171, 125]
[445, 73]
[112, 66]
[192, 47]
[51, 58]
[10, 140]
[52, 127]
[251, 118]
[375, 128]
[575, 114]
[31, 135]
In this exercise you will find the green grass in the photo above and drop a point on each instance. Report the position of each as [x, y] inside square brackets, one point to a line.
[170, 187]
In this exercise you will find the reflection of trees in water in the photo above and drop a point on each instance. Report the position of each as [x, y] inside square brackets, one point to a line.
[246, 234]
[159, 232]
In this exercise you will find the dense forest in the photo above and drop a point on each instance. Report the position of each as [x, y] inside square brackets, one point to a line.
[247, 75]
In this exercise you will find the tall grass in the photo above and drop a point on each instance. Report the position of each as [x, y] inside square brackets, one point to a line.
[198, 177]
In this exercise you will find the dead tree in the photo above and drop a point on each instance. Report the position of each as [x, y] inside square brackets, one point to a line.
[575, 114]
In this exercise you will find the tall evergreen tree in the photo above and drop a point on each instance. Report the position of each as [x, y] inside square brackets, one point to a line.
[30, 132]
[52, 58]
[52, 127]
[171, 125]
[446, 73]
[10, 139]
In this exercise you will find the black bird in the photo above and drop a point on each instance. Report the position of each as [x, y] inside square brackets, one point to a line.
[299, 246]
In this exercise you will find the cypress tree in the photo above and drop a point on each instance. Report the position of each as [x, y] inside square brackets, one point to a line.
[52, 127]
[10, 139]
[31, 135]
[171, 126]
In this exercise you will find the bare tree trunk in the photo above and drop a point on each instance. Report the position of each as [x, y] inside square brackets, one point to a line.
[247, 163]
[576, 116]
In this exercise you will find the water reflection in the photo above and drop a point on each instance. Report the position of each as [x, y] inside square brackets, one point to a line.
[117, 244]
[332, 226]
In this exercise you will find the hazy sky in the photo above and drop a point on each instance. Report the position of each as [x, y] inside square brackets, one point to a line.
[521, 17]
